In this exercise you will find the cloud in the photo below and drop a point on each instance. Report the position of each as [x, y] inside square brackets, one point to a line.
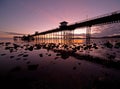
[12, 33]
[107, 30]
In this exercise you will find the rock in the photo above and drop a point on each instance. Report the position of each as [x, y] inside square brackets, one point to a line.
[7, 43]
[11, 56]
[58, 54]
[15, 46]
[25, 55]
[28, 62]
[18, 58]
[25, 59]
[30, 48]
[79, 63]
[41, 55]
[108, 45]
[49, 54]
[38, 46]
[3, 54]
[32, 67]
[20, 54]
[64, 56]
[74, 68]
[1, 43]
[117, 45]
[17, 68]
[56, 58]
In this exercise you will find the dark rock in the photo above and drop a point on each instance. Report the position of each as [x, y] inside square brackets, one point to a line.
[41, 55]
[64, 56]
[12, 56]
[74, 68]
[108, 45]
[17, 68]
[49, 54]
[7, 48]
[7, 43]
[56, 58]
[3, 54]
[38, 46]
[30, 48]
[117, 45]
[111, 57]
[32, 67]
[25, 59]
[26, 55]
[78, 47]
[28, 62]
[16, 46]
[1, 43]
[11, 50]
[79, 63]
[20, 54]
[58, 54]
[18, 58]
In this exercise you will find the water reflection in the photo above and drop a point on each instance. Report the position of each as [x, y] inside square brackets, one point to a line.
[62, 41]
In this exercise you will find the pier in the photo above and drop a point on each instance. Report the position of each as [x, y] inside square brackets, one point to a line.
[65, 33]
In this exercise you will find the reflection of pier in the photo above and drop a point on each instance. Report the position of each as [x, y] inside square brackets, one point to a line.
[65, 33]
[15, 38]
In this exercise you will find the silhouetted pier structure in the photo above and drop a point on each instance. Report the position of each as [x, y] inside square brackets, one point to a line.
[66, 32]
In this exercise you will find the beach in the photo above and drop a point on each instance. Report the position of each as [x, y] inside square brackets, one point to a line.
[35, 65]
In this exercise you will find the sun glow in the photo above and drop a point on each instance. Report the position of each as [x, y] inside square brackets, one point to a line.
[80, 31]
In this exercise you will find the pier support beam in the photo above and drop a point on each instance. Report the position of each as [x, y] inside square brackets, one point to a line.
[88, 35]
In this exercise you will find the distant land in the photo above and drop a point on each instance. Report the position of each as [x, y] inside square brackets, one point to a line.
[115, 36]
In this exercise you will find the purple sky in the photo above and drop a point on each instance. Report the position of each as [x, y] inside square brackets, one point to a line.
[28, 16]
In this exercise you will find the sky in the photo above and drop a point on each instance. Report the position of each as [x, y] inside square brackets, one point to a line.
[28, 16]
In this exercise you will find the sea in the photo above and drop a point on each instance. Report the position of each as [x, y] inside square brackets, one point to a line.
[46, 65]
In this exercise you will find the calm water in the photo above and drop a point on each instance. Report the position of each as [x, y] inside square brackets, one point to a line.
[40, 68]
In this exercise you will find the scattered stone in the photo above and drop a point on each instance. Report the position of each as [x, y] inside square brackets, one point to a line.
[1, 43]
[16, 69]
[49, 54]
[16, 46]
[25, 55]
[18, 58]
[74, 68]
[117, 45]
[25, 59]
[108, 45]
[11, 50]
[56, 58]
[12, 56]
[41, 55]
[25, 52]
[3, 54]
[7, 48]
[32, 67]
[28, 62]
[64, 56]
[30, 48]
[58, 54]
[7, 43]
[81, 51]
[20, 54]
[111, 57]
[79, 63]
[38, 46]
